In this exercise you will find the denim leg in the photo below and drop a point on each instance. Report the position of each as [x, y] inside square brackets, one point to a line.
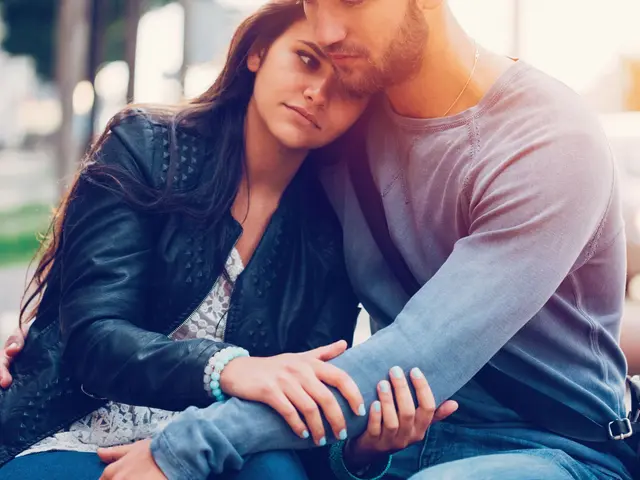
[277, 465]
[54, 466]
[405, 463]
[539, 464]
[448, 444]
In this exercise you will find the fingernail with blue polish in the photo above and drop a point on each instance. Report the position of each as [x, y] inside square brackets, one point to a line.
[362, 411]
[417, 373]
[305, 434]
[397, 372]
[376, 406]
[343, 434]
[384, 386]
[322, 442]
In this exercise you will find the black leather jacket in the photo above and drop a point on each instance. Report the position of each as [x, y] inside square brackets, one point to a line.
[126, 279]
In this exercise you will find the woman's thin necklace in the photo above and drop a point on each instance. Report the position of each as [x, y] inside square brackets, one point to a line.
[466, 85]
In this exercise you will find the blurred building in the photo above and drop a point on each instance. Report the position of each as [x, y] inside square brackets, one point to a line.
[18, 84]
[593, 47]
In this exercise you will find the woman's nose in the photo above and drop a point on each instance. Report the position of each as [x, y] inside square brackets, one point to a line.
[317, 94]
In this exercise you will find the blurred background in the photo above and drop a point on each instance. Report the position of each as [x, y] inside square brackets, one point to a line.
[66, 66]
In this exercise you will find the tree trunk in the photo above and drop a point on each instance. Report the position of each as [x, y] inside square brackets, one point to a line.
[186, 48]
[72, 55]
[133, 15]
[96, 57]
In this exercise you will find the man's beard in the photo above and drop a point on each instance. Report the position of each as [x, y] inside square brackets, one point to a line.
[401, 61]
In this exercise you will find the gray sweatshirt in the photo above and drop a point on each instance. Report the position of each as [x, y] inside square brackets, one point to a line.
[509, 215]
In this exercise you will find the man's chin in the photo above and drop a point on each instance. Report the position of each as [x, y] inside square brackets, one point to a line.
[358, 83]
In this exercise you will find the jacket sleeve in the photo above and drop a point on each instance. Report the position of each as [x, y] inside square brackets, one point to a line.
[105, 258]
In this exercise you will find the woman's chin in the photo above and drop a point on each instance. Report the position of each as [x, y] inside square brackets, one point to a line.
[298, 141]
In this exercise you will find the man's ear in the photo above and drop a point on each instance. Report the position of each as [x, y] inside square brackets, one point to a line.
[254, 60]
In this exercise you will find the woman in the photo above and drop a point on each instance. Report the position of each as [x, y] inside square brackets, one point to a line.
[187, 237]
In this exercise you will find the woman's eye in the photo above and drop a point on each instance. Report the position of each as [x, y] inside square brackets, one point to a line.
[308, 60]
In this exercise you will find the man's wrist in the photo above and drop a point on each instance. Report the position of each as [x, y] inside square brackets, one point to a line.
[166, 460]
[357, 458]
[374, 470]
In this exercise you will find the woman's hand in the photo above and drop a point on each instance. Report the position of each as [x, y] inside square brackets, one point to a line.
[130, 462]
[297, 382]
[395, 426]
[12, 347]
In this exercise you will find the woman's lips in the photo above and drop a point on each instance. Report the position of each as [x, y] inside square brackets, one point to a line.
[306, 114]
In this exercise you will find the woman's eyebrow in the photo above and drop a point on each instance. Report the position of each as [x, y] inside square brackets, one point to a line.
[315, 48]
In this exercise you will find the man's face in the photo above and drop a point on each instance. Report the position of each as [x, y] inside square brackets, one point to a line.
[373, 43]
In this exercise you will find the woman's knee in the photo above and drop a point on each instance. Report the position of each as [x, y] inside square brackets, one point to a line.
[277, 465]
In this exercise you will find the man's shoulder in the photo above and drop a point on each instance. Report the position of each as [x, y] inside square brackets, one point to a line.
[538, 114]
[533, 99]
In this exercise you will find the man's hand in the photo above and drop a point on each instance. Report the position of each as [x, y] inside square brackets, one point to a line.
[393, 426]
[130, 462]
[12, 347]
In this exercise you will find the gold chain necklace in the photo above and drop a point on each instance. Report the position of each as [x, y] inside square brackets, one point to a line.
[466, 85]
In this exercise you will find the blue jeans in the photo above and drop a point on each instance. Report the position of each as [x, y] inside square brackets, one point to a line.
[277, 465]
[282, 465]
[456, 452]
[54, 466]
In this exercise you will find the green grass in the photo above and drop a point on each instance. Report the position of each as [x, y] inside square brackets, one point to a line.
[19, 232]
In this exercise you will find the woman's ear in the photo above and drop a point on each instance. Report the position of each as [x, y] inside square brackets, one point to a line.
[254, 60]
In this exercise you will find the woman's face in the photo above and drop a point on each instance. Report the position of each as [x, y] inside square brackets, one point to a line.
[296, 92]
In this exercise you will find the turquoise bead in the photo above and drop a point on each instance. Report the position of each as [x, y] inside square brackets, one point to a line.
[215, 376]
[215, 385]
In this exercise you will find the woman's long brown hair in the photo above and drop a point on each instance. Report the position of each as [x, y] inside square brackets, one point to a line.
[218, 115]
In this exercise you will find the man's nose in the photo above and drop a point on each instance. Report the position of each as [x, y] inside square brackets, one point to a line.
[329, 29]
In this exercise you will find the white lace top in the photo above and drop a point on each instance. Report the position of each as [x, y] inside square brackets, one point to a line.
[116, 423]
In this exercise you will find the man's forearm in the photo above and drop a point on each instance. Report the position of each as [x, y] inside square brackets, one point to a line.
[212, 440]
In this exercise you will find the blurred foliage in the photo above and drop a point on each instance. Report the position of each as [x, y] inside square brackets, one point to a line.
[31, 30]
[18, 238]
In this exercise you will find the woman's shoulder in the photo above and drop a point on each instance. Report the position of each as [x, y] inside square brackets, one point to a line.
[154, 146]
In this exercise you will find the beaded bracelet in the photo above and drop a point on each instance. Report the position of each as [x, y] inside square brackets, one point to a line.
[214, 368]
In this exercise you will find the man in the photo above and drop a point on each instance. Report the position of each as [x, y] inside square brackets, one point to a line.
[500, 195]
